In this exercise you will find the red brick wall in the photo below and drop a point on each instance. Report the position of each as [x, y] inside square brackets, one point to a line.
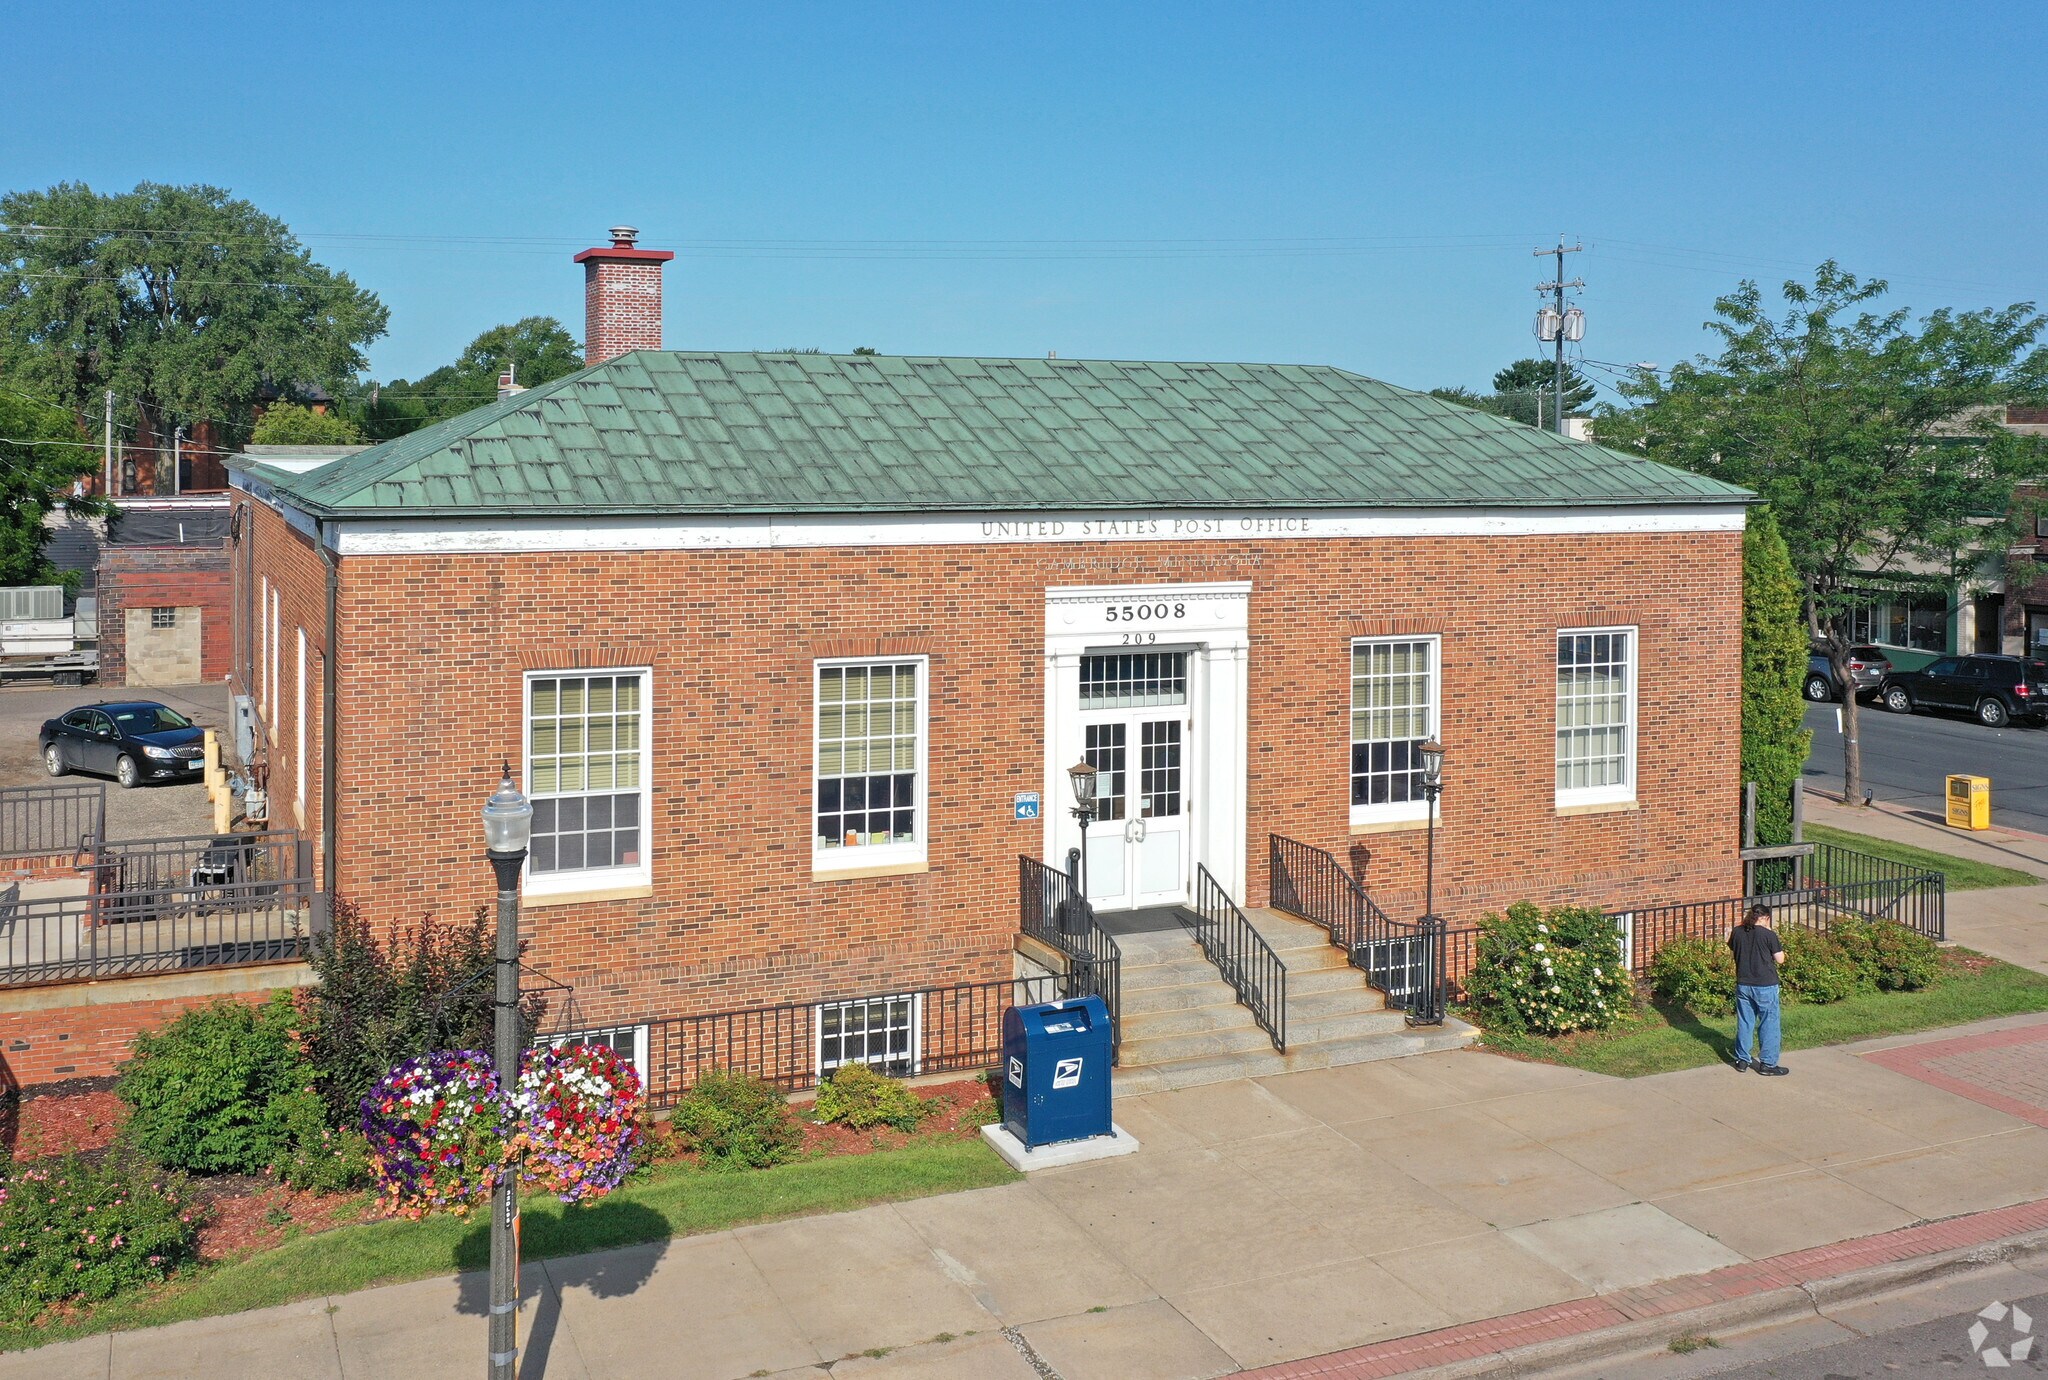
[85, 1041]
[164, 577]
[295, 571]
[434, 647]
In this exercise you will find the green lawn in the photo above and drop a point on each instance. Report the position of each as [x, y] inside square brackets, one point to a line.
[1664, 1038]
[674, 1200]
[1963, 875]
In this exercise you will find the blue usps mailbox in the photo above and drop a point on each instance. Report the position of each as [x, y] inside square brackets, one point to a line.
[1056, 1071]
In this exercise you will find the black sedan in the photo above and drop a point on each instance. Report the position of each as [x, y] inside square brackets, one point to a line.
[133, 741]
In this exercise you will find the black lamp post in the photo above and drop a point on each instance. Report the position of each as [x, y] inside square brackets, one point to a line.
[508, 824]
[1432, 787]
[1082, 775]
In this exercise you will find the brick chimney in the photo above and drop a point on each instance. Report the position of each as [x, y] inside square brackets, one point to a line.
[621, 297]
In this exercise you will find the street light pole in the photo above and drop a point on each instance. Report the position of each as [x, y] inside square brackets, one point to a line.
[1432, 787]
[1082, 777]
[508, 825]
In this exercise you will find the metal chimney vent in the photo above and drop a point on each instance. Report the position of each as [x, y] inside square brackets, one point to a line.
[624, 236]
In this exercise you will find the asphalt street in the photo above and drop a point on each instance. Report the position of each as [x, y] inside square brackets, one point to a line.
[1907, 756]
[1940, 1347]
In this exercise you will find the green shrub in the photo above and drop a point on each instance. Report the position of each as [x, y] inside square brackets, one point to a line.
[857, 1096]
[1819, 968]
[72, 1230]
[381, 1003]
[1697, 974]
[1890, 957]
[316, 1156]
[734, 1121]
[214, 1090]
[1549, 972]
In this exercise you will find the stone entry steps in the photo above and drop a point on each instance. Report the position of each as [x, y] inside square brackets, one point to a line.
[1183, 1026]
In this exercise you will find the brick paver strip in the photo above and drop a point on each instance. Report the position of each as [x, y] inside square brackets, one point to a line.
[1470, 1341]
[1999, 1070]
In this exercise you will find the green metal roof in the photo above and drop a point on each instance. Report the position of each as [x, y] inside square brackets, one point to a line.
[674, 432]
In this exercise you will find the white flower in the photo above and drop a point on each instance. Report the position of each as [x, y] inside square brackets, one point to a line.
[1555, 988]
[1542, 928]
[1539, 948]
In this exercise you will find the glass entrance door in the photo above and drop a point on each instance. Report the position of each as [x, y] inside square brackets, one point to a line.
[1135, 720]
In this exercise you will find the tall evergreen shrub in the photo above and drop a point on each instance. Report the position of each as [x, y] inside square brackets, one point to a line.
[1774, 652]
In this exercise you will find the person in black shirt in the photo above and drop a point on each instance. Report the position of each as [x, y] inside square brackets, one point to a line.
[1758, 952]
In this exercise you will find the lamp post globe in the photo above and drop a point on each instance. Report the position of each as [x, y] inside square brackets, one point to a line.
[1432, 787]
[508, 818]
[1082, 777]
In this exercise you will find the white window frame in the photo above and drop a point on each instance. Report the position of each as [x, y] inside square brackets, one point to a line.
[1402, 811]
[826, 861]
[276, 638]
[301, 724]
[595, 878]
[579, 1037]
[916, 1000]
[1624, 792]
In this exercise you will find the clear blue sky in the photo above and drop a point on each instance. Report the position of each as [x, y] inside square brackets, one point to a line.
[1428, 148]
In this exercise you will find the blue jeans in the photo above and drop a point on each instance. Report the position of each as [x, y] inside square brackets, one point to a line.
[1756, 1012]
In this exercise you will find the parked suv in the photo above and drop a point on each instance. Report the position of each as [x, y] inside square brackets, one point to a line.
[1867, 668]
[1997, 689]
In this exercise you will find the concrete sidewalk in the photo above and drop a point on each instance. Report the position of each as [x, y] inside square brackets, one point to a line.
[1262, 1222]
[2008, 922]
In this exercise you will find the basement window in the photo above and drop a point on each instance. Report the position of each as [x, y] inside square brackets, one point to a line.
[163, 618]
[629, 1042]
[881, 1032]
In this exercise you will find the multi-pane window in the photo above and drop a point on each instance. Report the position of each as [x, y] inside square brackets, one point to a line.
[868, 750]
[880, 1032]
[163, 618]
[1119, 680]
[1393, 713]
[1595, 708]
[586, 770]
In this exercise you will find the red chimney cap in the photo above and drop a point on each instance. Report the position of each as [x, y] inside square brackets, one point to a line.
[623, 249]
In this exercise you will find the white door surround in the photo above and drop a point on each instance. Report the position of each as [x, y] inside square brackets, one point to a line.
[1209, 622]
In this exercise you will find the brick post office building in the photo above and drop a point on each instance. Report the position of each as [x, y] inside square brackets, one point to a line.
[780, 645]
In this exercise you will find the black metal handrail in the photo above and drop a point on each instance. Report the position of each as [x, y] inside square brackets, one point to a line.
[1405, 961]
[51, 821]
[1241, 954]
[1052, 910]
[947, 1029]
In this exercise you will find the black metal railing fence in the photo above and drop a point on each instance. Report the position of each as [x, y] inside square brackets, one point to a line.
[168, 905]
[948, 1030]
[51, 821]
[1405, 961]
[1246, 961]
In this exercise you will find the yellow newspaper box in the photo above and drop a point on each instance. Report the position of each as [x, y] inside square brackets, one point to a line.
[1969, 802]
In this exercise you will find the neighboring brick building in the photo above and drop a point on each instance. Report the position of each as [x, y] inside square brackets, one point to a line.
[165, 606]
[778, 643]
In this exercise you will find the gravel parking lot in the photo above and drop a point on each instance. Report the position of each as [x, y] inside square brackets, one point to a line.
[148, 811]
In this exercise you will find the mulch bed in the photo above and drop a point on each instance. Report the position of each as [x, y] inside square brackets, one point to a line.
[251, 1212]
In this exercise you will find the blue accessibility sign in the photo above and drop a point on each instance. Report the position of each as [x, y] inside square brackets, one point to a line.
[1027, 804]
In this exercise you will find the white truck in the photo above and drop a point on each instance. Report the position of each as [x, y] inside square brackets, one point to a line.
[37, 638]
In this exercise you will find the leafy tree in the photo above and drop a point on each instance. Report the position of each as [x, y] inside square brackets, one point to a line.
[42, 455]
[1864, 432]
[183, 300]
[1465, 397]
[539, 349]
[1774, 737]
[288, 424]
[1517, 387]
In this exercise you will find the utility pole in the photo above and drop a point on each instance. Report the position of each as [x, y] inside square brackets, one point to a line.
[1557, 323]
[108, 466]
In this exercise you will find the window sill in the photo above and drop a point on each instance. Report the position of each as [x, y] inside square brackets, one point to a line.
[1604, 807]
[532, 901]
[896, 869]
[1389, 826]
